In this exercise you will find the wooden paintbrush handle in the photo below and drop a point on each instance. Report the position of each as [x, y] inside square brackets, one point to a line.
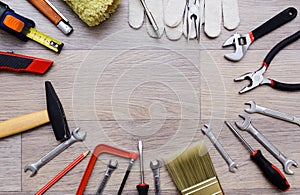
[47, 10]
[23, 123]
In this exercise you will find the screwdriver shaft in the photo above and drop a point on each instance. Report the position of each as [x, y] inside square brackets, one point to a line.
[149, 16]
[140, 148]
[142, 187]
[234, 131]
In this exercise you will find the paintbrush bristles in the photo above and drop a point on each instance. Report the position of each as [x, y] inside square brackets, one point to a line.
[191, 167]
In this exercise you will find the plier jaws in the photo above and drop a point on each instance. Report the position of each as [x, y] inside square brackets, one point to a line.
[256, 78]
[192, 19]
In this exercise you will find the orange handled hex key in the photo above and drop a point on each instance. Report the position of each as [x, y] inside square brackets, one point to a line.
[99, 149]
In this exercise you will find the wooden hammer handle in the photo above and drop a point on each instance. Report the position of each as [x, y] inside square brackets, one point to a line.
[47, 10]
[23, 123]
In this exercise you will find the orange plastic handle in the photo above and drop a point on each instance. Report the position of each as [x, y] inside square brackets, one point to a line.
[14, 23]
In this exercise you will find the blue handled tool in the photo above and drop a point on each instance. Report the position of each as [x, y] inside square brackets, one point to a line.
[23, 28]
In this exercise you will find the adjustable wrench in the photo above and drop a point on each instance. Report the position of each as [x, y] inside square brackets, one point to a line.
[75, 137]
[207, 131]
[241, 42]
[272, 113]
[155, 166]
[247, 126]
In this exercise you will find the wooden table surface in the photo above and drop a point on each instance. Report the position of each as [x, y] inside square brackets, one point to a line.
[118, 85]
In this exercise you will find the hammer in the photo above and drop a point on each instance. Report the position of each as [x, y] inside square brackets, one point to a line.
[54, 114]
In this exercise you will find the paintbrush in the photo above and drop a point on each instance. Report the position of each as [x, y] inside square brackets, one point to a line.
[193, 172]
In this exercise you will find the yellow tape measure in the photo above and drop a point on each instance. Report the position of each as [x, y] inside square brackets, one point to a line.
[45, 40]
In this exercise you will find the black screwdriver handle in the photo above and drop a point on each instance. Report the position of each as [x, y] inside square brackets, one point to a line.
[280, 19]
[142, 188]
[272, 173]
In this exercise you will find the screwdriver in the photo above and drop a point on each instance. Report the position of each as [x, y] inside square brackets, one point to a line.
[272, 173]
[142, 187]
[149, 16]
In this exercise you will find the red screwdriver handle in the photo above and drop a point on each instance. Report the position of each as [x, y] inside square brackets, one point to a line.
[272, 173]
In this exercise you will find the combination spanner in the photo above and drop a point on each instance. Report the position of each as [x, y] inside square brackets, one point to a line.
[247, 126]
[155, 166]
[254, 108]
[112, 165]
[207, 131]
[75, 137]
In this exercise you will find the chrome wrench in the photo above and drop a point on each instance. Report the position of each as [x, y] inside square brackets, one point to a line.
[112, 165]
[207, 131]
[155, 166]
[247, 126]
[254, 108]
[75, 137]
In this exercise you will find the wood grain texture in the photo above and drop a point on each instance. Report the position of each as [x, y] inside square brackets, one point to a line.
[119, 86]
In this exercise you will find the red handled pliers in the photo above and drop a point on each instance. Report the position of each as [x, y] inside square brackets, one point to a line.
[256, 78]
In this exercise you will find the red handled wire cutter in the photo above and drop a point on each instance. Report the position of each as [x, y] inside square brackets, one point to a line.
[256, 78]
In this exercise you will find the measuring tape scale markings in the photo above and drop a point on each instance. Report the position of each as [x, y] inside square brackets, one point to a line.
[45, 40]
[23, 28]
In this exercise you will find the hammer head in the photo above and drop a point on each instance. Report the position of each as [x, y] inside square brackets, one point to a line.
[56, 114]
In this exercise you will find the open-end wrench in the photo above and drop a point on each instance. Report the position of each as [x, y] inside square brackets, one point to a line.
[207, 131]
[155, 166]
[75, 137]
[254, 108]
[247, 126]
[112, 165]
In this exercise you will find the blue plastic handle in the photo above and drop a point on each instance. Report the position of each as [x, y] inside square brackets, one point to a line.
[5, 12]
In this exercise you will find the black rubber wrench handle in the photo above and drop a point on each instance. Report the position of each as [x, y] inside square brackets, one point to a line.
[280, 19]
[272, 54]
